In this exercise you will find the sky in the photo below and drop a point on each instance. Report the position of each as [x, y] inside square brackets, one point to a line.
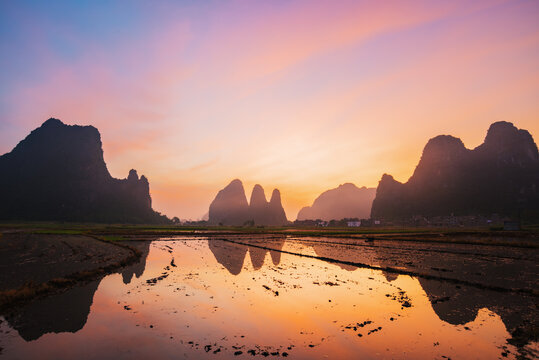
[296, 95]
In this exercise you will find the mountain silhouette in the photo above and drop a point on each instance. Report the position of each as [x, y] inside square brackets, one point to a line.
[58, 173]
[230, 207]
[258, 205]
[500, 176]
[345, 201]
[276, 214]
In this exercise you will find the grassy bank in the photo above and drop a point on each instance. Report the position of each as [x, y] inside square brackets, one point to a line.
[31, 290]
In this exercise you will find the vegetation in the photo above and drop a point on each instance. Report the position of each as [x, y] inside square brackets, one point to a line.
[31, 290]
[118, 232]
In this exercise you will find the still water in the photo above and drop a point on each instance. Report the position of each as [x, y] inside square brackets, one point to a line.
[198, 298]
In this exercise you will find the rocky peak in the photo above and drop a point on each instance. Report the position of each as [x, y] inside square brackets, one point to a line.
[235, 186]
[133, 176]
[387, 179]
[233, 192]
[52, 122]
[276, 215]
[440, 157]
[275, 197]
[230, 205]
[506, 143]
[58, 173]
[500, 132]
[144, 180]
[258, 197]
[499, 176]
[443, 148]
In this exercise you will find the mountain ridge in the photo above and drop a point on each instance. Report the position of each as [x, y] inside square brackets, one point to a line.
[345, 201]
[230, 207]
[58, 173]
[500, 176]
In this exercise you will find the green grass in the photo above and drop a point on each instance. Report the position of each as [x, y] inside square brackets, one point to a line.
[59, 232]
[116, 231]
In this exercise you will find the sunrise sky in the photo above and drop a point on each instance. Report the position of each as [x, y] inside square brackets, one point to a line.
[298, 95]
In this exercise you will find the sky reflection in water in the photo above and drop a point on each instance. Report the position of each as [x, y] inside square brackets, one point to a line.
[221, 299]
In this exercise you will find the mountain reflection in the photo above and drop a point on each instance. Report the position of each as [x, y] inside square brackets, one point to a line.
[232, 256]
[453, 303]
[138, 268]
[456, 304]
[67, 311]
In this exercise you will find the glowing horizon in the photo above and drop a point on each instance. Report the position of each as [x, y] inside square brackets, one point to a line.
[296, 95]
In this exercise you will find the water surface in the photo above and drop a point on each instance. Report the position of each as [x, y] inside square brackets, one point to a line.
[198, 298]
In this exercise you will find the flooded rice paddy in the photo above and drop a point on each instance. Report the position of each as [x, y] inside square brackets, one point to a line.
[245, 297]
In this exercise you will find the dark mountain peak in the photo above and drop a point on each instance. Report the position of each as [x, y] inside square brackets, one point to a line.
[258, 187]
[59, 128]
[52, 122]
[230, 207]
[234, 190]
[58, 173]
[506, 143]
[235, 184]
[144, 180]
[258, 197]
[443, 147]
[500, 131]
[276, 214]
[133, 176]
[275, 197]
[387, 179]
[440, 156]
[500, 176]
[56, 139]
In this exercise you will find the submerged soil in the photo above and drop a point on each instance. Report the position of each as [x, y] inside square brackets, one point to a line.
[239, 296]
[38, 258]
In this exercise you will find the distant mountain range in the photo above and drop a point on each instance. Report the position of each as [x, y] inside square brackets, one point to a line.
[500, 176]
[230, 207]
[57, 173]
[345, 201]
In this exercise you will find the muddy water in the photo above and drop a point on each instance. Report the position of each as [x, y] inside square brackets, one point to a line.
[198, 298]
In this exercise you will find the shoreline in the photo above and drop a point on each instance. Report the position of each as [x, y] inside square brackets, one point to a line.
[77, 270]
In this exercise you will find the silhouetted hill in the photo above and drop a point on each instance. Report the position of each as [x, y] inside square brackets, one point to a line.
[276, 214]
[258, 205]
[501, 176]
[58, 173]
[230, 207]
[345, 201]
